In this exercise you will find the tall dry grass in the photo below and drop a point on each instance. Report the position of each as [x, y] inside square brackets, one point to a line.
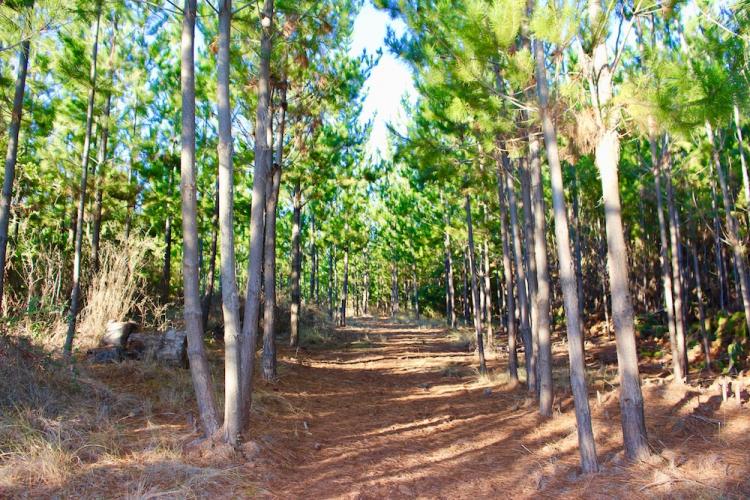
[116, 292]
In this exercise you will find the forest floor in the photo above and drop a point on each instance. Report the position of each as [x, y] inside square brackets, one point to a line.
[390, 409]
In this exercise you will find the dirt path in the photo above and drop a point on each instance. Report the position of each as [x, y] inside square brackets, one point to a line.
[401, 413]
[398, 413]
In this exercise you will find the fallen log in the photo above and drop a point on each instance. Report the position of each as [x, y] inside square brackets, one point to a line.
[117, 333]
[169, 348]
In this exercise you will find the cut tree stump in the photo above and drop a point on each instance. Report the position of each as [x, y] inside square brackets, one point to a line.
[169, 348]
[116, 333]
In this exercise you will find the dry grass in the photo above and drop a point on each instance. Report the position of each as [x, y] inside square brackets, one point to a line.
[115, 292]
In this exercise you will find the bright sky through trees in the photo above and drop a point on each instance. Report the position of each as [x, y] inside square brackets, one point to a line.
[390, 79]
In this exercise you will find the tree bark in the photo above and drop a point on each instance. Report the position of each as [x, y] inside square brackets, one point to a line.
[394, 290]
[75, 295]
[474, 288]
[330, 283]
[701, 310]
[679, 299]
[544, 343]
[510, 306]
[233, 402]
[523, 300]
[529, 258]
[296, 267]
[11, 155]
[102, 159]
[578, 258]
[733, 232]
[666, 271]
[199, 368]
[586, 444]
[488, 295]
[269, 263]
[263, 152]
[345, 288]
[208, 295]
[607, 157]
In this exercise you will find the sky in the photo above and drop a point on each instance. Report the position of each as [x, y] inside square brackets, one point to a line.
[390, 79]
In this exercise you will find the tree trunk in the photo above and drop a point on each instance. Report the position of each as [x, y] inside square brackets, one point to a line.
[330, 283]
[102, 159]
[578, 258]
[544, 343]
[296, 267]
[701, 310]
[465, 291]
[607, 157]
[269, 271]
[345, 288]
[475, 288]
[487, 285]
[394, 290]
[529, 259]
[586, 444]
[416, 292]
[199, 368]
[208, 295]
[666, 271]
[679, 300]
[233, 402]
[523, 300]
[314, 259]
[11, 155]
[75, 295]
[510, 307]
[631, 398]
[166, 270]
[263, 152]
[733, 235]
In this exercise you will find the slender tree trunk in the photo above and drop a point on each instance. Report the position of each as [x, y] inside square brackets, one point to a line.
[701, 310]
[199, 368]
[233, 402]
[488, 296]
[394, 290]
[666, 272]
[523, 300]
[269, 272]
[529, 256]
[607, 157]
[269, 275]
[586, 444]
[102, 159]
[679, 300]
[366, 291]
[510, 307]
[345, 288]
[578, 258]
[263, 152]
[313, 259]
[166, 269]
[416, 292]
[475, 288]
[11, 155]
[330, 283]
[544, 343]
[208, 296]
[75, 295]
[296, 267]
[733, 232]
[465, 291]
[450, 293]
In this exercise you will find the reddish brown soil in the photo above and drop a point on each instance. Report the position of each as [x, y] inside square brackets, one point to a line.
[400, 412]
